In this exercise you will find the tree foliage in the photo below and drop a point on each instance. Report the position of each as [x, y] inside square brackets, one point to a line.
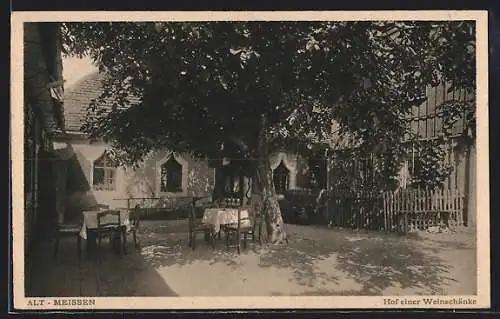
[198, 86]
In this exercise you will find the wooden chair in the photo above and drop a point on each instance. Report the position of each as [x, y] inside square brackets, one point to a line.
[228, 202]
[196, 227]
[135, 218]
[108, 226]
[257, 223]
[68, 230]
[234, 232]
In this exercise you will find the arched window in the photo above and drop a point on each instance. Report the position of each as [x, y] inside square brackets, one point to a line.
[281, 176]
[104, 174]
[171, 176]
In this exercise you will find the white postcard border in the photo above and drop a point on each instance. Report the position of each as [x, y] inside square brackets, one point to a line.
[481, 300]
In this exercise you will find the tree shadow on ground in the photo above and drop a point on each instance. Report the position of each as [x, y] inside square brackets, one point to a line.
[128, 276]
[301, 256]
[379, 267]
[374, 261]
[166, 244]
[371, 262]
[453, 241]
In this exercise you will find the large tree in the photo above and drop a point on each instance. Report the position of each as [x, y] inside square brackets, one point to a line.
[243, 89]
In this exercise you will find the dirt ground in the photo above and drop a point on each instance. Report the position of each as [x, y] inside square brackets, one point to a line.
[317, 261]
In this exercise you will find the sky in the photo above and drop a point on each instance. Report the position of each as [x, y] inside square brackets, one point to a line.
[74, 69]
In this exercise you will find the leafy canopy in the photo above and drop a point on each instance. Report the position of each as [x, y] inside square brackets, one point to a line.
[198, 85]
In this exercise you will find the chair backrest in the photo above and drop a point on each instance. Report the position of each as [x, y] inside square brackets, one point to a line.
[65, 221]
[240, 207]
[108, 218]
[192, 213]
[239, 217]
[135, 215]
[245, 218]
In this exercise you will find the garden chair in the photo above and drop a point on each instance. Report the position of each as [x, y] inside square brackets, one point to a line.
[109, 226]
[244, 227]
[135, 217]
[196, 227]
[67, 230]
[257, 223]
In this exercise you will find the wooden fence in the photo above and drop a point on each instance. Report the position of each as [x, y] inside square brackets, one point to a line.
[417, 209]
[355, 209]
[400, 211]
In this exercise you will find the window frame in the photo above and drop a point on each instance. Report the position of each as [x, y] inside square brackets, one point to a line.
[164, 176]
[106, 169]
[183, 176]
[281, 174]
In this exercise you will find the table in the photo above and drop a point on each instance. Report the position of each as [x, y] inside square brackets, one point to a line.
[90, 221]
[216, 217]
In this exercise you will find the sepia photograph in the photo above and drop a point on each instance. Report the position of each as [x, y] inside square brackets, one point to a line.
[264, 160]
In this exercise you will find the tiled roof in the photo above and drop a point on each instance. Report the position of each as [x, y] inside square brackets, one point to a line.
[78, 97]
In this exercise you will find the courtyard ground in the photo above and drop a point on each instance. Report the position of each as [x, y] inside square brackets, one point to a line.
[317, 261]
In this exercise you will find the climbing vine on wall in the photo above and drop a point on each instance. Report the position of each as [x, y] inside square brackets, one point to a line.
[428, 168]
[351, 170]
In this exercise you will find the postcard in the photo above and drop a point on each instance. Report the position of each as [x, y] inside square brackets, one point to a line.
[250, 160]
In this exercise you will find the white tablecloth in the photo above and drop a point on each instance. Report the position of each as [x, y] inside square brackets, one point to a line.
[90, 221]
[224, 216]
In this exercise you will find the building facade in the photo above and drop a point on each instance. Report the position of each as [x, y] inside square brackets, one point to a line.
[43, 120]
[92, 179]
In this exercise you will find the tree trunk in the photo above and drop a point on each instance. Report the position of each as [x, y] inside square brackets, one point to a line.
[264, 200]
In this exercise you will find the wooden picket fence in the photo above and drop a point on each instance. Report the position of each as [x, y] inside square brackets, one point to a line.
[400, 211]
[417, 209]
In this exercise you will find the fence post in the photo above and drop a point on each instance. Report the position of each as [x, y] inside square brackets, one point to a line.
[465, 216]
[384, 209]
